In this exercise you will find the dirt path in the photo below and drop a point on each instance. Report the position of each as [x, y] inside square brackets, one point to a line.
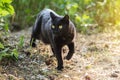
[97, 57]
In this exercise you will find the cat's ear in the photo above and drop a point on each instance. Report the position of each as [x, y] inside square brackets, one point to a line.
[52, 15]
[66, 19]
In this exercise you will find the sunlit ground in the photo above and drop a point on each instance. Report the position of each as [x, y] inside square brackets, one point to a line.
[97, 57]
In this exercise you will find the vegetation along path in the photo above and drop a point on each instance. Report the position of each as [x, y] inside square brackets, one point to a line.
[97, 57]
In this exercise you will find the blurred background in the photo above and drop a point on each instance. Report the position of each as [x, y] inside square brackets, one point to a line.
[88, 15]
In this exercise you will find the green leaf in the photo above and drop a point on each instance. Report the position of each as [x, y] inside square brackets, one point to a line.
[78, 18]
[6, 28]
[4, 51]
[10, 9]
[6, 8]
[15, 54]
[6, 1]
[12, 55]
[1, 46]
[85, 17]
[21, 42]
[72, 8]
[3, 12]
[1, 55]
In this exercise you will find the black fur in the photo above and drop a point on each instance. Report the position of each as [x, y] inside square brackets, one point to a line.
[55, 30]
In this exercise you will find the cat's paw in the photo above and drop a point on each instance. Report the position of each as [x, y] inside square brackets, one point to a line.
[52, 56]
[68, 57]
[33, 45]
[60, 68]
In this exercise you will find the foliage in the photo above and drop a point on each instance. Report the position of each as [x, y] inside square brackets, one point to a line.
[10, 52]
[82, 12]
[7, 53]
[21, 42]
[6, 10]
[1, 46]
[107, 13]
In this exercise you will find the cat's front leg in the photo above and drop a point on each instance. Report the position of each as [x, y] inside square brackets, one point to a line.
[71, 50]
[53, 55]
[59, 58]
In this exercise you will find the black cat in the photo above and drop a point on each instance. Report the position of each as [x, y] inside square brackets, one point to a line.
[55, 30]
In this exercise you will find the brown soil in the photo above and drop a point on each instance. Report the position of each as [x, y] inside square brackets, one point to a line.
[97, 57]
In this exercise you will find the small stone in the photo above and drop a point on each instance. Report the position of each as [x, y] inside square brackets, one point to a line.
[27, 53]
[67, 76]
[117, 71]
[51, 77]
[41, 77]
[32, 77]
[87, 77]
[21, 78]
[12, 77]
[48, 62]
[114, 75]
[20, 57]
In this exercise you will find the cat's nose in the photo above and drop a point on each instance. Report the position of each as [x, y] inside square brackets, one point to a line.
[55, 32]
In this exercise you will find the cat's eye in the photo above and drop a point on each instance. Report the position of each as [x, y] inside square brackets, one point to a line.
[53, 27]
[60, 27]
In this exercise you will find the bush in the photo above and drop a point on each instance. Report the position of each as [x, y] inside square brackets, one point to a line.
[6, 10]
[83, 13]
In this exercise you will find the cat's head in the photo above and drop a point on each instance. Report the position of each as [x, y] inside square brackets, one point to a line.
[60, 25]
